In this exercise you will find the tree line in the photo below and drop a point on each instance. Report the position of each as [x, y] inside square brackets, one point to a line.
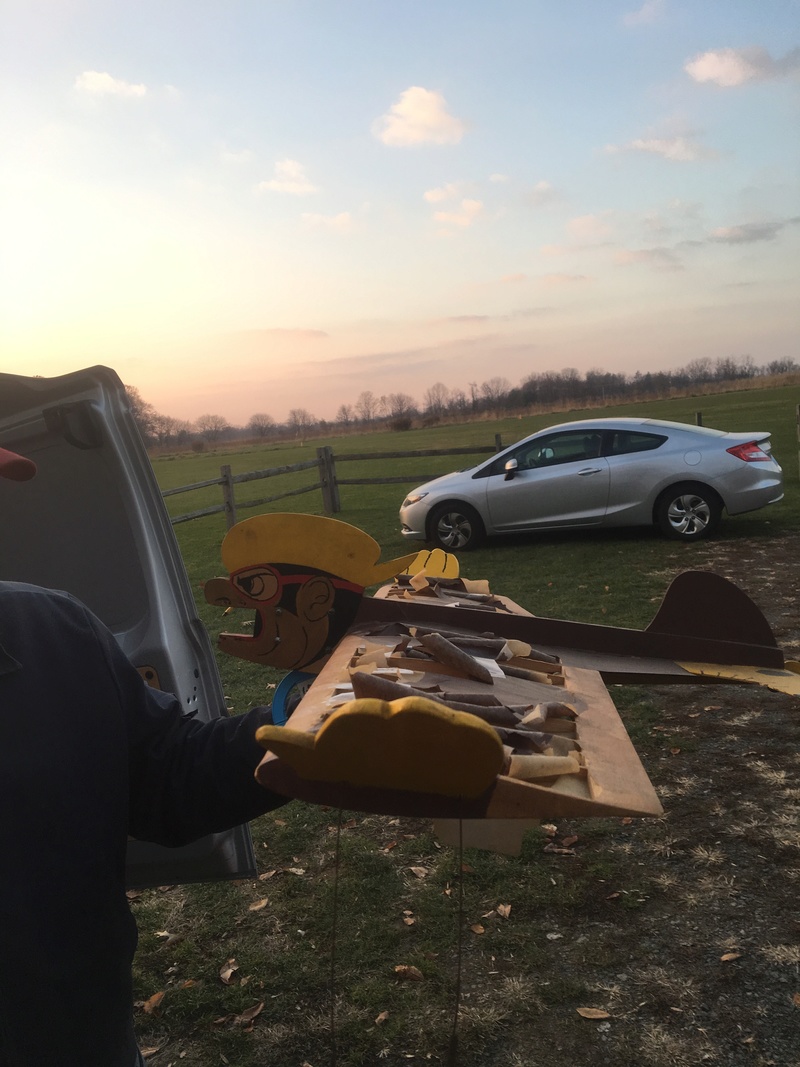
[496, 397]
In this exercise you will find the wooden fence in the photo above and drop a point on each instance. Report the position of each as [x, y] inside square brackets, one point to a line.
[326, 480]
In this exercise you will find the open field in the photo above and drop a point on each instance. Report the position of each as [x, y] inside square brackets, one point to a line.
[681, 932]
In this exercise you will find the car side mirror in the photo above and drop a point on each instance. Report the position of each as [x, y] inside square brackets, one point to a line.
[510, 469]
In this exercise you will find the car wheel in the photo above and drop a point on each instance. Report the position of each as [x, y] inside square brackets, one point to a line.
[688, 512]
[456, 526]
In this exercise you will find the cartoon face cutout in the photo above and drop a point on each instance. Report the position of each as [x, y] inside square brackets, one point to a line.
[299, 614]
[303, 576]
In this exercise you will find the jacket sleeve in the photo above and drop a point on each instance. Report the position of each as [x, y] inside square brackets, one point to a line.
[187, 778]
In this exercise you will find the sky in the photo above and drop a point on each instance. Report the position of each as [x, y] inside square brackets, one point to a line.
[250, 206]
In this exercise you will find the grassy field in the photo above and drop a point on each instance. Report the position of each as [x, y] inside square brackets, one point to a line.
[397, 890]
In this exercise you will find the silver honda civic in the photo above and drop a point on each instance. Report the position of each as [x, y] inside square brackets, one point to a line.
[600, 472]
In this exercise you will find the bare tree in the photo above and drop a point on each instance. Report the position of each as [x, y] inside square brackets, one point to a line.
[400, 404]
[144, 414]
[261, 425]
[212, 427]
[495, 390]
[300, 421]
[436, 398]
[345, 414]
[366, 406]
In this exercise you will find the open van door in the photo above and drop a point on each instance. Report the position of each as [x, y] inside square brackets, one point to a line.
[93, 522]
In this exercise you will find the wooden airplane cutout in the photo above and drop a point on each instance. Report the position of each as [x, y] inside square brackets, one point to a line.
[437, 698]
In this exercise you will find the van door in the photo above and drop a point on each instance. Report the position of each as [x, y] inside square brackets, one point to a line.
[93, 522]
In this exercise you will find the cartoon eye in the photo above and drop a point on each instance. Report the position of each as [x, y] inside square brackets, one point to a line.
[258, 584]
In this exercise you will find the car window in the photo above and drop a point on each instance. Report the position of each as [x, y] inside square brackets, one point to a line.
[623, 442]
[567, 447]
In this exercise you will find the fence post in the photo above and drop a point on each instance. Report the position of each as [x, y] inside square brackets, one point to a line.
[698, 418]
[797, 417]
[498, 442]
[327, 480]
[227, 495]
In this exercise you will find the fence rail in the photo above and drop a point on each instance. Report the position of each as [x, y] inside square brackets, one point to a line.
[327, 482]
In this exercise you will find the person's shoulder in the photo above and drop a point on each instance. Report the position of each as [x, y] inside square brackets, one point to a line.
[29, 599]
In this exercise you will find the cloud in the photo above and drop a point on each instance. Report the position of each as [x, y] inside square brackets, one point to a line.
[555, 280]
[227, 156]
[676, 149]
[498, 178]
[469, 212]
[510, 279]
[748, 232]
[341, 223]
[650, 11]
[589, 227]
[444, 192]
[731, 67]
[420, 116]
[290, 177]
[658, 258]
[541, 193]
[102, 84]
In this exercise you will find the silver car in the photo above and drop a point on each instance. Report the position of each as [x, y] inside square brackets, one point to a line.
[600, 472]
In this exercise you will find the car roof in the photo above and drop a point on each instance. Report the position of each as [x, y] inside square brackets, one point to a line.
[627, 423]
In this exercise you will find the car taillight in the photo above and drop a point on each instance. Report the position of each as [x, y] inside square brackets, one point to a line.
[752, 452]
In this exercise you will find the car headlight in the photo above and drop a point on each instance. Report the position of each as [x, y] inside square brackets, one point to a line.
[413, 498]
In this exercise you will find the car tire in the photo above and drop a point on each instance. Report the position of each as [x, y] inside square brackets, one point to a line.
[456, 527]
[688, 512]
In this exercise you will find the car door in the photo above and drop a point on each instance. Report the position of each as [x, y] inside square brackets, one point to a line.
[560, 479]
[92, 522]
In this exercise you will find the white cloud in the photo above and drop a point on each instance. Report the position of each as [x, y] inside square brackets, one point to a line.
[747, 232]
[730, 67]
[102, 84]
[444, 192]
[589, 227]
[341, 223]
[556, 280]
[498, 178]
[542, 193]
[679, 149]
[420, 116]
[290, 177]
[469, 212]
[650, 11]
[236, 158]
[659, 258]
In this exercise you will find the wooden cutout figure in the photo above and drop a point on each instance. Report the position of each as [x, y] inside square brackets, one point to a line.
[304, 577]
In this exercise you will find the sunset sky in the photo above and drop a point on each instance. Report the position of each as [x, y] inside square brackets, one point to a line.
[256, 205]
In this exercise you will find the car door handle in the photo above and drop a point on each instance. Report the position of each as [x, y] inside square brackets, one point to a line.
[590, 470]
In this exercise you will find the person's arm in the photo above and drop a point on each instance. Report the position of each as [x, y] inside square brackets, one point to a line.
[187, 778]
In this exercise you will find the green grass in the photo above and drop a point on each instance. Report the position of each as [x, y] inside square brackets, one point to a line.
[512, 975]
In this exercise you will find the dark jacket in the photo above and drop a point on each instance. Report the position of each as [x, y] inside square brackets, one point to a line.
[88, 755]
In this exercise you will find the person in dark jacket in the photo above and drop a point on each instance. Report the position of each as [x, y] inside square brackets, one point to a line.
[89, 754]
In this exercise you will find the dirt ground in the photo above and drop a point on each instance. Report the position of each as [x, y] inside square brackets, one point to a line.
[706, 965]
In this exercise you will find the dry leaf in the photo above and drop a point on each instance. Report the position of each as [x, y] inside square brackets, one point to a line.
[731, 956]
[259, 904]
[299, 871]
[557, 850]
[228, 970]
[567, 841]
[504, 910]
[407, 971]
[796, 1000]
[550, 829]
[419, 872]
[266, 875]
[249, 1015]
[593, 1013]
[152, 1003]
[148, 1052]
[380, 1019]
[409, 920]
[476, 928]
